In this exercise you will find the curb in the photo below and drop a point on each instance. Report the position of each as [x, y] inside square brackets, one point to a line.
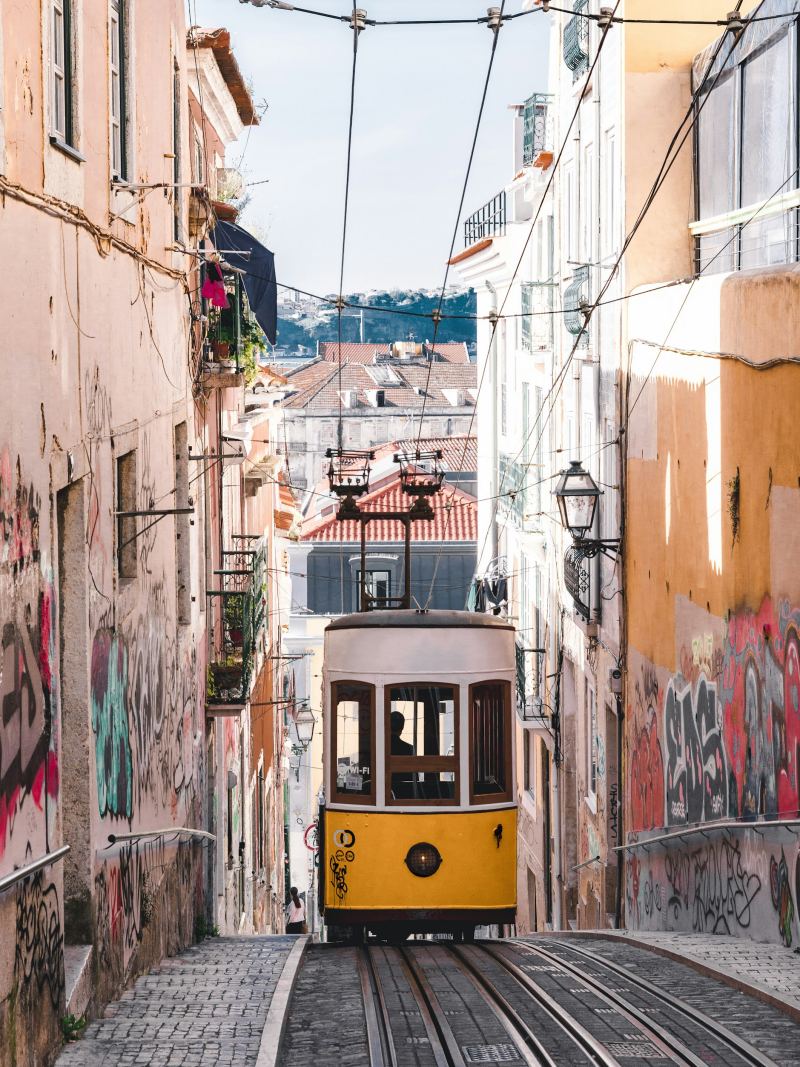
[272, 1034]
[753, 989]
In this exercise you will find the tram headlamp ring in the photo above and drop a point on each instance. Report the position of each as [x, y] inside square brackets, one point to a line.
[423, 859]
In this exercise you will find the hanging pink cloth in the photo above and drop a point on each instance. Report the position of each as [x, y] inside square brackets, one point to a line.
[213, 286]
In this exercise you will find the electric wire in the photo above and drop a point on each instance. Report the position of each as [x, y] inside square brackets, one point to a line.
[456, 227]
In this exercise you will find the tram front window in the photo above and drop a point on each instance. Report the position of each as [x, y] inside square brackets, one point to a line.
[353, 724]
[421, 741]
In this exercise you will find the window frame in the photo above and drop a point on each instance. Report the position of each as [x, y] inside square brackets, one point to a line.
[484, 799]
[352, 798]
[428, 764]
[118, 124]
[65, 71]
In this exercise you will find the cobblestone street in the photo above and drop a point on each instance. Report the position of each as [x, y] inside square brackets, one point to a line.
[208, 1005]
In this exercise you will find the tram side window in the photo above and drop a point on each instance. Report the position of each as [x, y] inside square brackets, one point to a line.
[353, 703]
[490, 741]
[422, 762]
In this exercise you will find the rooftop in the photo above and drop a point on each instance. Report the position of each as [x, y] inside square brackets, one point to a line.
[357, 352]
[318, 384]
[455, 518]
[219, 41]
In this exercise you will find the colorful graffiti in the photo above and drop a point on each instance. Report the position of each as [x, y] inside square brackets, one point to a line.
[28, 762]
[731, 741]
[761, 708]
[781, 894]
[113, 758]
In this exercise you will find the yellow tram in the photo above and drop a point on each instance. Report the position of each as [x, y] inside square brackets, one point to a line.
[418, 829]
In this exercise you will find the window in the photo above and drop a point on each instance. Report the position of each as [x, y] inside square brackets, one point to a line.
[118, 91]
[377, 585]
[422, 744]
[353, 741]
[529, 742]
[61, 72]
[588, 214]
[490, 742]
[746, 152]
[199, 159]
[591, 743]
[176, 150]
[183, 570]
[609, 214]
[126, 524]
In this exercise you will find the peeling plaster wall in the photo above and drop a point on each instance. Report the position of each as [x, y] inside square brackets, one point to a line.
[101, 689]
[713, 678]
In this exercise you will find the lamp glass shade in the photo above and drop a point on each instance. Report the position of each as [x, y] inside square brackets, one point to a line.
[304, 724]
[577, 493]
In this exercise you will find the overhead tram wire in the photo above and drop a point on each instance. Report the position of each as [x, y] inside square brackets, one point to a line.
[357, 27]
[281, 5]
[496, 319]
[496, 27]
[692, 115]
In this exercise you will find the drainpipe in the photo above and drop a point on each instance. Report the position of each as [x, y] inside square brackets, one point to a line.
[494, 460]
[557, 878]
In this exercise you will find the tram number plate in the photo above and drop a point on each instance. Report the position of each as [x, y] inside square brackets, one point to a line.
[491, 1054]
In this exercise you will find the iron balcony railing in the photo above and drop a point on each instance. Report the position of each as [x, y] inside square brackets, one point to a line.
[487, 221]
[537, 315]
[577, 579]
[575, 294]
[536, 127]
[243, 590]
[576, 40]
[513, 478]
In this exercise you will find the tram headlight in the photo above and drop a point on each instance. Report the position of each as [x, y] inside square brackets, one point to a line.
[423, 859]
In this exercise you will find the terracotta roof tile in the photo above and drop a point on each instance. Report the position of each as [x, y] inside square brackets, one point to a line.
[318, 385]
[455, 518]
[219, 40]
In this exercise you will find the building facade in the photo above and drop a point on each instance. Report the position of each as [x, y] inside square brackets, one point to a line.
[111, 767]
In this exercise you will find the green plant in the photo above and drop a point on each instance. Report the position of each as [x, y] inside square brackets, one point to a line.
[211, 683]
[204, 929]
[72, 1026]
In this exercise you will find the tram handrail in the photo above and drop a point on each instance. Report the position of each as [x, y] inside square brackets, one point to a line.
[18, 875]
[705, 828]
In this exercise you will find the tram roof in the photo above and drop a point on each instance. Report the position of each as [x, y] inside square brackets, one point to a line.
[424, 619]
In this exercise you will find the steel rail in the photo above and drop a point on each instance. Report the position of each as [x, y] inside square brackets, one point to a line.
[656, 1033]
[738, 1045]
[594, 1048]
[382, 1051]
[19, 874]
[528, 1044]
[445, 1048]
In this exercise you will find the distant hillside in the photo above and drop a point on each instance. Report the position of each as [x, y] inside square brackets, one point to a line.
[309, 324]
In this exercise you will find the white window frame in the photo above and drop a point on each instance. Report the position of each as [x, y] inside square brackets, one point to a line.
[61, 71]
[118, 96]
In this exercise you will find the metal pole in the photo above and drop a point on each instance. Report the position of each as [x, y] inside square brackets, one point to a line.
[620, 779]
[363, 582]
[407, 576]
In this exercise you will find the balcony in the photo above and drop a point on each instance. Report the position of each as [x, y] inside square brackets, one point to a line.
[242, 589]
[487, 221]
[513, 479]
[537, 130]
[577, 579]
[576, 40]
[537, 312]
[576, 294]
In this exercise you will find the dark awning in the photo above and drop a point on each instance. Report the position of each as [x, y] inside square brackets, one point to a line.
[258, 272]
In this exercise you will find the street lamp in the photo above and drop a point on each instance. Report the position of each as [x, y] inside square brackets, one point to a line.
[577, 494]
[304, 723]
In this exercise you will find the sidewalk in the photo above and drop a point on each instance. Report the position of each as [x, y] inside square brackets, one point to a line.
[208, 1005]
[766, 971]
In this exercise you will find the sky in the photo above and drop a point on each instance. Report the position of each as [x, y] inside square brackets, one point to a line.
[418, 92]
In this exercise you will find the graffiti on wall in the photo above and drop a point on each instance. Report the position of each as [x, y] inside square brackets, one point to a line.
[145, 714]
[722, 737]
[28, 762]
[39, 953]
[124, 892]
[734, 885]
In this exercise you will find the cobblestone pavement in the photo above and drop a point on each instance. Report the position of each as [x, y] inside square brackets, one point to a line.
[769, 1029]
[771, 968]
[207, 1005]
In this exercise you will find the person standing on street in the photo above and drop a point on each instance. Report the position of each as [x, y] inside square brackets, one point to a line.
[296, 915]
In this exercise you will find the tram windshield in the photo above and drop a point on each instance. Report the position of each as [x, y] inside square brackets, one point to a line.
[421, 743]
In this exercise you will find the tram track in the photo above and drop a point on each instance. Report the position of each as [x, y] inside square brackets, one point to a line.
[690, 1017]
[403, 987]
